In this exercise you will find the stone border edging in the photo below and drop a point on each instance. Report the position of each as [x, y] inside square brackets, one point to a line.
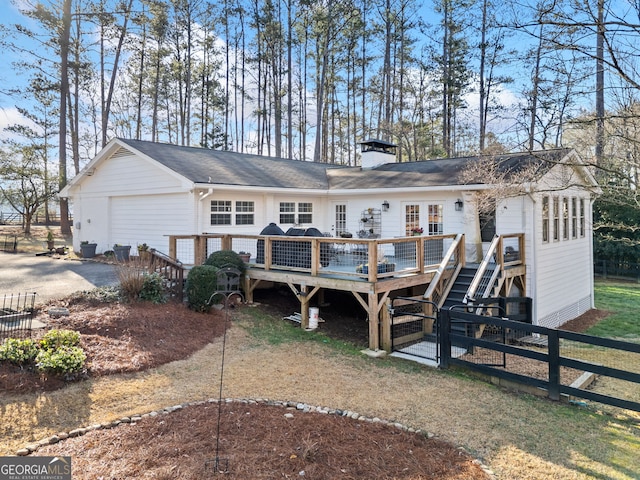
[299, 406]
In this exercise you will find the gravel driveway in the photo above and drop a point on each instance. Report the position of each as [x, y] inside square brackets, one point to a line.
[51, 277]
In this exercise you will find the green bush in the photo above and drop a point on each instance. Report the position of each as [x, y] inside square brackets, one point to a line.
[201, 283]
[18, 351]
[226, 258]
[153, 288]
[57, 339]
[65, 360]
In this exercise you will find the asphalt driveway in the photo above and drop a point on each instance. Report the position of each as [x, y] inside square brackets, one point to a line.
[51, 277]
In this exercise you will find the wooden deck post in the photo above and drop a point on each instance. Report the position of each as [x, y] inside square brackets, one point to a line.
[374, 332]
[200, 249]
[385, 320]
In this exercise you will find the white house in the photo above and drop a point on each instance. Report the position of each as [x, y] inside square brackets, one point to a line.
[136, 192]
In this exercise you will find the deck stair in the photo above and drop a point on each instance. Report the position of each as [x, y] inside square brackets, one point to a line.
[457, 297]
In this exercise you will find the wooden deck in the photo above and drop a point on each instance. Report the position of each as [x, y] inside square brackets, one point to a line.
[404, 266]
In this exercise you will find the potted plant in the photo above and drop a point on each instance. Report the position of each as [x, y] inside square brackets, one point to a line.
[121, 252]
[88, 250]
[245, 256]
[143, 252]
[50, 242]
[417, 231]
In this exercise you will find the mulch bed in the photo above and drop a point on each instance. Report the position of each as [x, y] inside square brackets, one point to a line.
[120, 338]
[256, 440]
[259, 442]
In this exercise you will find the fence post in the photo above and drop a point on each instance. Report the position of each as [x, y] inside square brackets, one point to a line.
[553, 340]
[445, 340]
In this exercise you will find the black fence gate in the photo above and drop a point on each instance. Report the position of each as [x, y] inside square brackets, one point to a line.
[414, 328]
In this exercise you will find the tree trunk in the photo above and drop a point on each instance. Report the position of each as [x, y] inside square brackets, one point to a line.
[65, 225]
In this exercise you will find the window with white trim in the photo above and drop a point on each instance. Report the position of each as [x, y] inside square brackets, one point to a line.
[574, 217]
[556, 218]
[545, 219]
[226, 212]
[296, 213]
[245, 213]
[411, 218]
[341, 218]
[582, 219]
[435, 223]
[220, 212]
[565, 218]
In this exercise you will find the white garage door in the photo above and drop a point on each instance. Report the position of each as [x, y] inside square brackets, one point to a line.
[149, 219]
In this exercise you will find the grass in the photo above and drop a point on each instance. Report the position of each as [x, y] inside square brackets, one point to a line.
[36, 242]
[623, 299]
[264, 327]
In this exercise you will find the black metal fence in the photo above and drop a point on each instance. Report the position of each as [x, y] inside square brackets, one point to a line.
[16, 315]
[616, 269]
[561, 362]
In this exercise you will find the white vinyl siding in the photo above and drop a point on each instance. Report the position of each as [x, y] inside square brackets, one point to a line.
[563, 269]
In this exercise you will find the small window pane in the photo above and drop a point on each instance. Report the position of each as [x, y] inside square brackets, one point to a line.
[287, 207]
[220, 205]
[244, 207]
[287, 218]
[244, 219]
[305, 218]
[220, 219]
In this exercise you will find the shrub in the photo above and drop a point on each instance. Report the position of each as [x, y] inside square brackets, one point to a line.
[201, 283]
[18, 351]
[226, 258]
[65, 360]
[153, 288]
[131, 276]
[56, 339]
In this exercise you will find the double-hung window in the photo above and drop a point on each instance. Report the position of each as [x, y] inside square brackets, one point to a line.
[226, 212]
[220, 212]
[296, 213]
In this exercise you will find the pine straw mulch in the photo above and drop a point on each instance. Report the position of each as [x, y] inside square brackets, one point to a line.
[258, 440]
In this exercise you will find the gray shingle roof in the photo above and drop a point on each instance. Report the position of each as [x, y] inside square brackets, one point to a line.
[232, 168]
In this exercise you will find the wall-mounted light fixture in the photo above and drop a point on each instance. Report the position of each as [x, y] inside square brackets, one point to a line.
[459, 205]
[91, 171]
[385, 206]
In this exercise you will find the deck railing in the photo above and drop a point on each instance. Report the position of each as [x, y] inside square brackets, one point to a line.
[447, 272]
[504, 251]
[368, 259]
[170, 270]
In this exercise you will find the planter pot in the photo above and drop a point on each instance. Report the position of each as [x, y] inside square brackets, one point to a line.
[245, 257]
[121, 252]
[50, 244]
[88, 250]
[145, 256]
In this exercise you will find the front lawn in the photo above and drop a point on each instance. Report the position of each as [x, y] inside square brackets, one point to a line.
[623, 300]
